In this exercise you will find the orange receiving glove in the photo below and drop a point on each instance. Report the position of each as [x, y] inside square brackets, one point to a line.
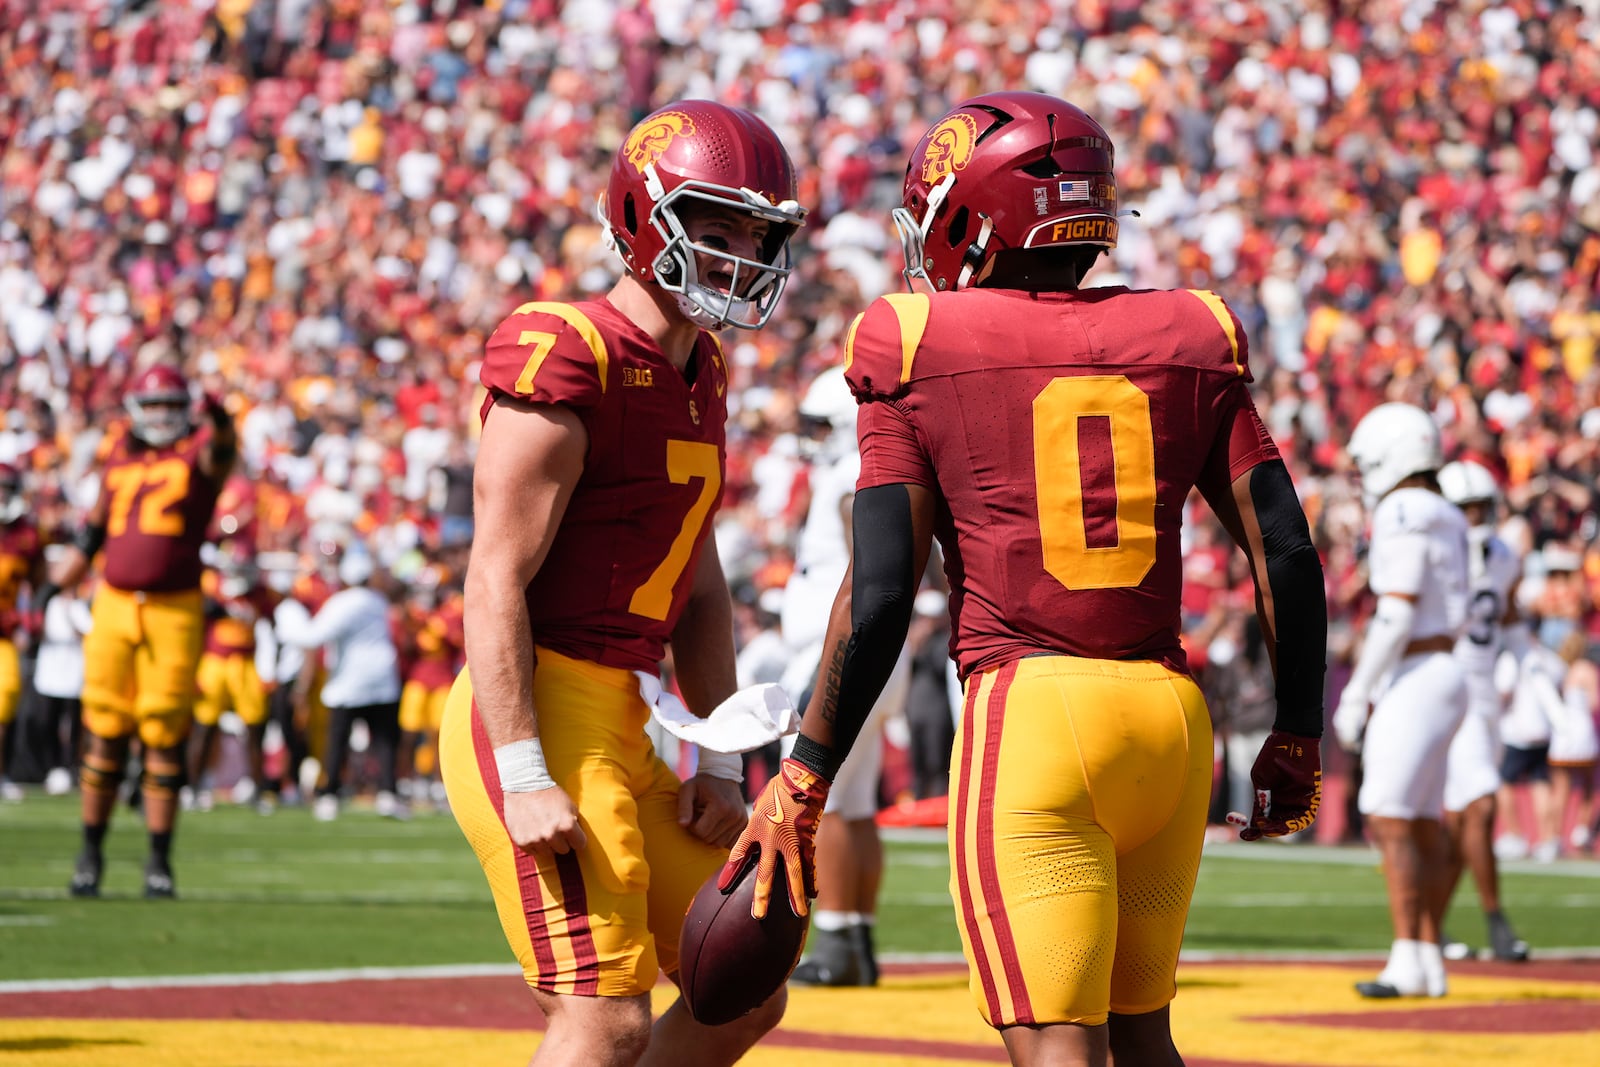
[782, 830]
[1288, 779]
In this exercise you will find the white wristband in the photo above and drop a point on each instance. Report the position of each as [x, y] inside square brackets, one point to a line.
[521, 767]
[726, 765]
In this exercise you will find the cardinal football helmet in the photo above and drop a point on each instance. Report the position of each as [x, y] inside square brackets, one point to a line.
[158, 404]
[12, 504]
[1004, 171]
[699, 150]
[1390, 444]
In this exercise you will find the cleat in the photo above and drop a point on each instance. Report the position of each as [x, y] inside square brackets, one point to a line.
[1378, 991]
[834, 961]
[58, 782]
[1452, 949]
[85, 876]
[1504, 943]
[245, 792]
[11, 792]
[866, 952]
[389, 806]
[325, 808]
[158, 884]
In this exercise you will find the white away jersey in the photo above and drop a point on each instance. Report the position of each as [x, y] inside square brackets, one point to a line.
[1419, 549]
[1493, 570]
[821, 548]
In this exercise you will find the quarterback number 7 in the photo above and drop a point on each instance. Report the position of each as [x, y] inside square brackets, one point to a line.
[686, 461]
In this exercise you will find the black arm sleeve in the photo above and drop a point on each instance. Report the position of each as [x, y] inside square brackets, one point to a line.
[885, 585]
[89, 538]
[1294, 572]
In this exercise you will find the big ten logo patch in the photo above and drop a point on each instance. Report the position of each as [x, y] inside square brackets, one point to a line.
[643, 377]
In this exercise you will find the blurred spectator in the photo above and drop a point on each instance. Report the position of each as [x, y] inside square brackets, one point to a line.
[1535, 677]
[1239, 690]
[929, 716]
[363, 681]
[58, 679]
[1574, 747]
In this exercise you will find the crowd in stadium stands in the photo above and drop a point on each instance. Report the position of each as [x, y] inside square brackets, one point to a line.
[321, 207]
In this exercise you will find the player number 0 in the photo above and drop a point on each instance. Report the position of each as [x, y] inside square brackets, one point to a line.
[1058, 478]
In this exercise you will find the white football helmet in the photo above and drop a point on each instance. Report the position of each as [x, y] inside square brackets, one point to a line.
[1390, 444]
[1466, 482]
[829, 400]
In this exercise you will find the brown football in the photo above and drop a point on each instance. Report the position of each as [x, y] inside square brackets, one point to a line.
[728, 963]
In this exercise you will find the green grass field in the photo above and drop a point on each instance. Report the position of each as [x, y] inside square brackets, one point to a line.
[288, 893]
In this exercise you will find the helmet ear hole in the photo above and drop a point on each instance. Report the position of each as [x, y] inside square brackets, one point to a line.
[957, 230]
[630, 216]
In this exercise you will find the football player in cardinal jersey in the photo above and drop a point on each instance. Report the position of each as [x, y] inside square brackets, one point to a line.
[598, 474]
[160, 476]
[21, 563]
[236, 601]
[1048, 437]
[1408, 676]
[1472, 777]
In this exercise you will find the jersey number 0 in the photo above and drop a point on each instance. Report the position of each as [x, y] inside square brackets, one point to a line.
[1058, 412]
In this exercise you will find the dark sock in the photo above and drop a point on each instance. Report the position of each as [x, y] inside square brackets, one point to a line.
[161, 847]
[94, 837]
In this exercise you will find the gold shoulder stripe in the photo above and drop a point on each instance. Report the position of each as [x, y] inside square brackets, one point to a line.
[850, 341]
[579, 322]
[912, 311]
[1225, 320]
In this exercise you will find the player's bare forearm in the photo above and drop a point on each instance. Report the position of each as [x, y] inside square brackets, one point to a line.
[702, 640]
[869, 621]
[530, 458]
[499, 645]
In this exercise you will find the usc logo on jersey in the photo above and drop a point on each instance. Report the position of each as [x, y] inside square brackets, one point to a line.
[646, 143]
[950, 146]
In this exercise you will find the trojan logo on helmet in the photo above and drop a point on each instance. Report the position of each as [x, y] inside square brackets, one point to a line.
[699, 152]
[973, 184]
[949, 146]
[651, 137]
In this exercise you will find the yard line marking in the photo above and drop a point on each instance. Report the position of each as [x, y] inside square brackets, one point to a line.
[26, 920]
[198, 981]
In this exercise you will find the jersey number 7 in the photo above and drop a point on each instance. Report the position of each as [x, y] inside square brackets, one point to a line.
[686, 461]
